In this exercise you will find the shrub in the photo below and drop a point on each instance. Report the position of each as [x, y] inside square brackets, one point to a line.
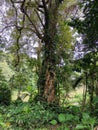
[26, 116]
[5, 93]
[5, 96]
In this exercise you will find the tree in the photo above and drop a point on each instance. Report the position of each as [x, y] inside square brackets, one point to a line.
[38, 19]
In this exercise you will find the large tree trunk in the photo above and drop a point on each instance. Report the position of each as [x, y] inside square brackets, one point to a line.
[47, 78]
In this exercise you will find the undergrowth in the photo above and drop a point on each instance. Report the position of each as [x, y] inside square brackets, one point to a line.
[35, 116]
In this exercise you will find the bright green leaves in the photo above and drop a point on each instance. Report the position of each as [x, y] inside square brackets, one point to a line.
[65, 117]
[61, 118]
[65, 36]
[53, 122]
[87, 122]
[80, 127]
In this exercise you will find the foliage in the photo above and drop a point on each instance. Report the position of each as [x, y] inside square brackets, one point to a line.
[75, 121]
[5, 92]
[87, 122]
[39, 23]
[25, 116]
[88, 32]
[53, 122]
[7, 72]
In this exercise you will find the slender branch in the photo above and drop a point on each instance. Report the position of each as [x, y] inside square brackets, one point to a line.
[16, 13]
[44, 5]
[40, 10]
[19, 29]
[36, 30]
[17, 2]
[39, 4]
[17, 51]
[24, 10]
[8, 26]
[39, 17]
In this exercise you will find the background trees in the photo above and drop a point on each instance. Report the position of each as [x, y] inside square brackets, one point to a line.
[87, 28]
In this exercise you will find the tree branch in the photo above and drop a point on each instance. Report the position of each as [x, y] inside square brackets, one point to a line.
[24, 10]
[39, 17]
[8, 26]
[44, 5]
[16, 14]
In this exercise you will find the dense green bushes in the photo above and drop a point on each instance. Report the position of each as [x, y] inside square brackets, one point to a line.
[25, 116]
[35, 116]
[5, 93]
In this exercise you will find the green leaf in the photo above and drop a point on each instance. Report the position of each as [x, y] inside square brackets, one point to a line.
[69, 117]
[66, 128]
[86, 116]
[80, 127]
[61, 118]
[53, 122]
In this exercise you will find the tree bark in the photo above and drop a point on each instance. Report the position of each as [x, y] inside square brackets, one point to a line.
[47, 78]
